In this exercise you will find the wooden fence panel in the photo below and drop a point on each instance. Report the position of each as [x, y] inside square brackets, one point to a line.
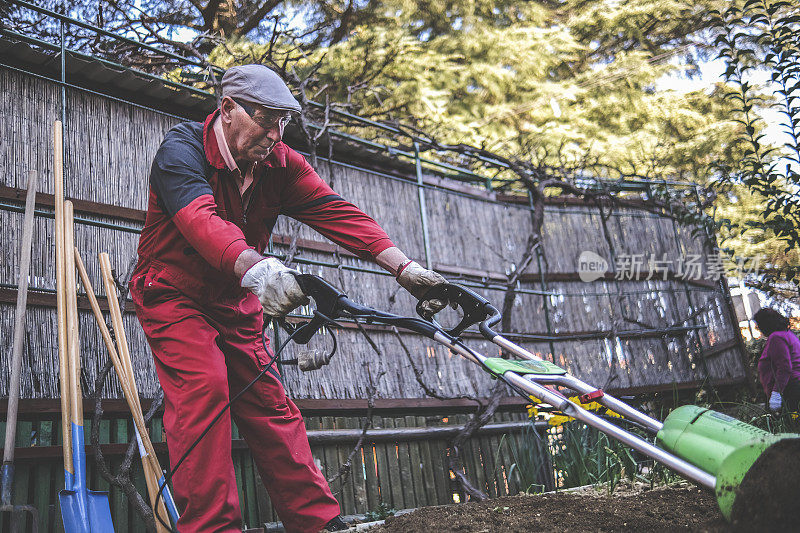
[476, 233]
[399, 474]
[27, 113]
[566, 234]
[392, 202]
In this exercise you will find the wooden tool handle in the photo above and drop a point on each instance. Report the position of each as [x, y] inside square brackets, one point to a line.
[73, 339]
[116, 318]
[119, 367]
[61, 304]
[19, 318]
[124, 367]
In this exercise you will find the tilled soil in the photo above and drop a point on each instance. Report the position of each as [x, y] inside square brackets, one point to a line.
[676, 508]
[769, 497]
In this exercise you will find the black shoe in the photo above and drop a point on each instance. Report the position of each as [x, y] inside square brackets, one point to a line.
[337, 524]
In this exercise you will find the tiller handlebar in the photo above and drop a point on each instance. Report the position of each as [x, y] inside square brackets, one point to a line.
[709, 448]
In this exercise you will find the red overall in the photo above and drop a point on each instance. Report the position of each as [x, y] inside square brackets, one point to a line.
[205, 330]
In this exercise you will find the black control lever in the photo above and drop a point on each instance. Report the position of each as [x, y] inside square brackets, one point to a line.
[332, 304]
[475, 307]
[326, 297]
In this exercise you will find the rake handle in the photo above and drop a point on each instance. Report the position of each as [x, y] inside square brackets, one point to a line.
[19, 336]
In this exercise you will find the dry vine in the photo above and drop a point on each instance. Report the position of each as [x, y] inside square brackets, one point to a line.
[372, 392]
[486, 409]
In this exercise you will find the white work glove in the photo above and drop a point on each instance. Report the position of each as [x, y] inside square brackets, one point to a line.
[313, 359]
[276, 287]
[417, 280]
[775, 401]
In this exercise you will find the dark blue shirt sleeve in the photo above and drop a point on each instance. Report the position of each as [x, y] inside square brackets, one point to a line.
[177, 174]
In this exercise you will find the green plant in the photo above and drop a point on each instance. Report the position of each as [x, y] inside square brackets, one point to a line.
[656, 473]
[530, 458]
[381, 512]
[761, 37]
[577, 455]
[584, 456]
[757, 415]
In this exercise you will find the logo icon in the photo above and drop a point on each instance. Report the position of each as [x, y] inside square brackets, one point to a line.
[591, 266]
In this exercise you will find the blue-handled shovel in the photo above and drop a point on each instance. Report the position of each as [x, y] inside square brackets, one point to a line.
[82, 510]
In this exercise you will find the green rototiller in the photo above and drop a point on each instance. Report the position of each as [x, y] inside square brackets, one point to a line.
[709, 448]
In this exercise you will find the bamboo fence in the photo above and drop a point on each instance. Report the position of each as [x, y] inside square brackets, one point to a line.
[613, 333]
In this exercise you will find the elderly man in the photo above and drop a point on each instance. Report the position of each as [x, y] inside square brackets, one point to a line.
[202, 283]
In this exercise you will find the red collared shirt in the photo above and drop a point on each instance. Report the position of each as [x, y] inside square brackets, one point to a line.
[197, 224]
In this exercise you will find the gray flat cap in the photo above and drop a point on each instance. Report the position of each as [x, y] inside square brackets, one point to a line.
[260, 85]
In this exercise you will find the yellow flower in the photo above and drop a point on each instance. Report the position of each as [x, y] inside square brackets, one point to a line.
[594, 406]
[557, 420]
[591, 406]
[533, 408]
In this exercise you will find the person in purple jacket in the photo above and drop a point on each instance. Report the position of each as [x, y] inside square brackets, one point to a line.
[779, 365]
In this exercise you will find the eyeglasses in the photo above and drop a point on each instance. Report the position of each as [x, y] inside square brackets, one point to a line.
[268, 121]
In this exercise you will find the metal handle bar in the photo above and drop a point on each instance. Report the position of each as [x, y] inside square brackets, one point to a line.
[475, 307]
[478, 309]
[332, 304]
[530, 385]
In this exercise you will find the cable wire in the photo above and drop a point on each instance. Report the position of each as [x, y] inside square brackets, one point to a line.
[171, 473]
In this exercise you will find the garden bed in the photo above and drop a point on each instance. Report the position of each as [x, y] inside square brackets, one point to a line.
[675, 508]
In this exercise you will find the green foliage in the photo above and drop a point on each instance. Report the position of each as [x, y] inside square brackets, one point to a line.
[656, 26]
[560, 83]
[763, 36]
[755, 413]
[746, 237]
[579, 455]
[658, 474]
[381, 512]
[584, 456]
[528, 459]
